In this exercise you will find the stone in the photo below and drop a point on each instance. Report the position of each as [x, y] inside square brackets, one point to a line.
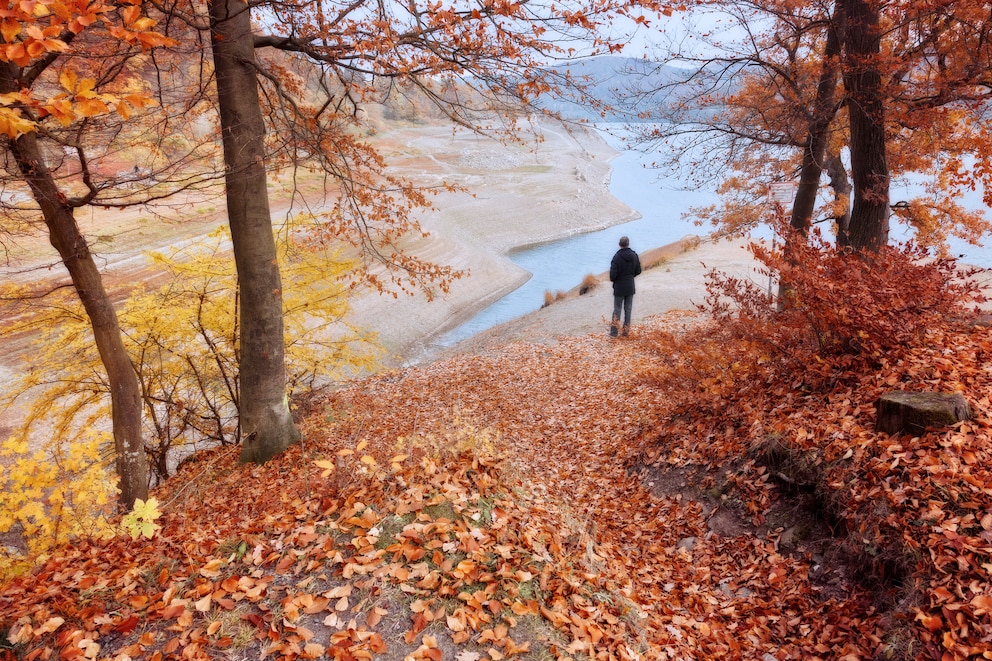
[913, 412]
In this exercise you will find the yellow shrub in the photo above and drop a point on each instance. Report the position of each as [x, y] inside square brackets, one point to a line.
[183, 340]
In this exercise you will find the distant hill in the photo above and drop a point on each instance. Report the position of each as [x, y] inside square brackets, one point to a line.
[625, 89]
[625, 86]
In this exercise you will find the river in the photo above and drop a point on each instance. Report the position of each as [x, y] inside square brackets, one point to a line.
[561, 265]
[661, 202]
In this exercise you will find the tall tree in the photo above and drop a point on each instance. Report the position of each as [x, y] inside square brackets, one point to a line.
[63, 231]
[822, 114]
[761, 102]
[914, 95]
[267, 425]
[869, 224]
[44, 50]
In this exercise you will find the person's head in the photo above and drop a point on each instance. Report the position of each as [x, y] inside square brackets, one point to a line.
[624, 242]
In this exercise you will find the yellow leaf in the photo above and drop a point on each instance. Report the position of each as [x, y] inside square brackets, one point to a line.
[313, 651]
[143, 24]
[455, 623]
[49, 626]
[131, 14]
[91, 108]
[155, 40]
[203, 605]
[211, 569]
[68, 79]
[340, 591]
[13, 125]
[86, 88]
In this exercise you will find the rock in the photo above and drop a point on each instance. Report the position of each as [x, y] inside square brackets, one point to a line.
[909, 412]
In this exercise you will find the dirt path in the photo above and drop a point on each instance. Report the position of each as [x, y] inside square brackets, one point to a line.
[571, 414]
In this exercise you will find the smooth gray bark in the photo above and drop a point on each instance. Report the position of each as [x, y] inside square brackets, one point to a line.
[869, 225]
[266, 423]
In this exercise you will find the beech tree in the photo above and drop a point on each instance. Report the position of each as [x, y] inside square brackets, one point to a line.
[60, 76]
[267, 425]
[869, 225]
[903, 86]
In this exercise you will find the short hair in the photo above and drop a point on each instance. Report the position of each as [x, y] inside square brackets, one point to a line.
[624, 242]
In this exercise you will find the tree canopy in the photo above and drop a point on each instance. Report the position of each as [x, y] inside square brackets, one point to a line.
[862, 93]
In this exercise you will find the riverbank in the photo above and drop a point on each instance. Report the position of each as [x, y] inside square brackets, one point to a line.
[674, 281]
[526, 195]
[521, 195]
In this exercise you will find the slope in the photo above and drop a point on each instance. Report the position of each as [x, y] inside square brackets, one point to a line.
[553, 501]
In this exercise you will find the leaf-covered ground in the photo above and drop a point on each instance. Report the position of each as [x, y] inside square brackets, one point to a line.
[558, 501]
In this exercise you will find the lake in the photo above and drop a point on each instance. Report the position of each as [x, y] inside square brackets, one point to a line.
[661, 201]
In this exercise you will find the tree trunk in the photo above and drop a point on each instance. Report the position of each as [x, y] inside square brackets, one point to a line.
[869, 226]
[125, 393]
[841, 185]
[266, 423]
[824, 111]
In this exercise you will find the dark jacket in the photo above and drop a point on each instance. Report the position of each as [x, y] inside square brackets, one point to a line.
[624, 267]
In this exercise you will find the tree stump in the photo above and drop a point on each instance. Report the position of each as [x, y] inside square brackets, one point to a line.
[909, 412]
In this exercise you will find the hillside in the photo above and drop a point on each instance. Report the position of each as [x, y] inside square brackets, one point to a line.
[561, 500]
[623, 89]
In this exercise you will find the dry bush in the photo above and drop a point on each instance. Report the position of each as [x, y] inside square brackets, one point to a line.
[847, 303]
[843, 310]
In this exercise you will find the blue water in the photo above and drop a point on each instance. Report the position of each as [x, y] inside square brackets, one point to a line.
[661, 201]
[561, 265]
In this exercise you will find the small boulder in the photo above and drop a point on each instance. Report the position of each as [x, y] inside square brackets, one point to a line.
[911, 412]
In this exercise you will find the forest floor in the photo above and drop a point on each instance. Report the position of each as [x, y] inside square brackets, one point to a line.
[541, 500]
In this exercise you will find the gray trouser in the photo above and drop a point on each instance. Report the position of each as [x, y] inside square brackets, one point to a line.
[622, 303]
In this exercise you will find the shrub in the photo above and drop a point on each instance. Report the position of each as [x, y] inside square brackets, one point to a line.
[859, 304]
[842, 309]
[183, 341]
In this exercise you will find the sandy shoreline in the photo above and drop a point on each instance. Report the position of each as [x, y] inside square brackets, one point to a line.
[523, 195]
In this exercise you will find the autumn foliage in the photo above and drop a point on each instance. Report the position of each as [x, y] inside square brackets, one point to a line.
[845, 302]
[715, 500]
[183, 335]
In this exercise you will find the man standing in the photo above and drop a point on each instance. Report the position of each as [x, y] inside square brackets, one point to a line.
[626, 265]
